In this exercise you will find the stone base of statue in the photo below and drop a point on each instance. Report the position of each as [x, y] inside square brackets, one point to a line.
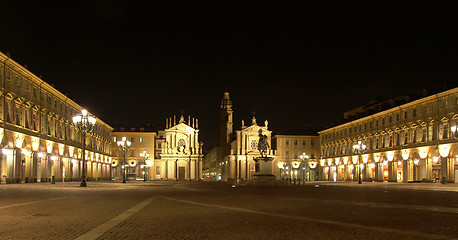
[263, 175]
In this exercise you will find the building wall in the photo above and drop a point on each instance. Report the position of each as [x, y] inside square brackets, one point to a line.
[211, 166]
[289, 151]
[39, 141]
[412, 142]
[136, 166]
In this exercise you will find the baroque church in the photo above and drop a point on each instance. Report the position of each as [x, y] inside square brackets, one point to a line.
[180, 153]
[239, 150]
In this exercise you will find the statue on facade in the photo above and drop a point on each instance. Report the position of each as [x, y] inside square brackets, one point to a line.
[263, 145]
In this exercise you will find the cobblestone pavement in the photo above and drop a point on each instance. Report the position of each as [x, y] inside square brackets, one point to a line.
[202, 210]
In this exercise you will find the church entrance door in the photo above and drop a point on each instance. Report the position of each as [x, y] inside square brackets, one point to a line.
[181, 173]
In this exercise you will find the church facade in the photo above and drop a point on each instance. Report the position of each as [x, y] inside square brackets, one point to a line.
[239, 150]
[179, 151]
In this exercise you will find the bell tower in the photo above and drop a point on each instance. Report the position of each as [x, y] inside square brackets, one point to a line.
[225, 125]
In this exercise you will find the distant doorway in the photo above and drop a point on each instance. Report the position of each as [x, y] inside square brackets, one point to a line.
[181, 173]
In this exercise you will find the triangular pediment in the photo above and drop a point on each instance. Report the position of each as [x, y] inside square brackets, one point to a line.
[181, 127]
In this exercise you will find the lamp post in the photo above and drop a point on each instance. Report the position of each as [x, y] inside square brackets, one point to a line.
[144, 156]
[359, 149]
[84, 123]
[124, 146]
[305, 159]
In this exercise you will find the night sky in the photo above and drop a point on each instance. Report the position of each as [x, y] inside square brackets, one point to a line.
[293, 63]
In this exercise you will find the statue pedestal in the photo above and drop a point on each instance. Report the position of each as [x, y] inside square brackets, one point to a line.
[264, 169]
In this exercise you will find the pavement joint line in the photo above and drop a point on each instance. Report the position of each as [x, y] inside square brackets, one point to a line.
[331, 222]
[27, 203]
[382, 205]
[103, 228]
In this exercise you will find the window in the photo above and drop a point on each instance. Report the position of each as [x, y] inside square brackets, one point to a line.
[312, 142]
[114, 139]
[295, 142]
[445, 134]
[142, 139]
[304, 142]
[131, 139]
[158, 170]
[287, 155]
[414, 113]
[405, 115]
[287, 142]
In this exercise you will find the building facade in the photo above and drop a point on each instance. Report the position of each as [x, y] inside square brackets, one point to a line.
[292, 147]
[237, 153]
[136, 166]
[38, 140]
[411, 142]
[179, 151]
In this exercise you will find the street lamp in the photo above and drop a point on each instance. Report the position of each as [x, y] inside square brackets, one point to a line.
[359, 149]
[84, 123]
[305, 159]
[144, 156]
[124, 146]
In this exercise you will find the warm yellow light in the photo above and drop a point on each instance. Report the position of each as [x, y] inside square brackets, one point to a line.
[19, 140]
[385, 173]
[322, 162]
[49, 147]
[35, 144]
[295, 164]
[149, 163]
[345, 160]
[444, 150]
[312, 163]
[423, 152]
[390, 155]
[337, 160]
[376, 157]
[365, 157]
[405, 154]
[355, 159]
[280, 165]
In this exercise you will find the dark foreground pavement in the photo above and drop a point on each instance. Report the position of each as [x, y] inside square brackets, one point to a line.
[190, 210]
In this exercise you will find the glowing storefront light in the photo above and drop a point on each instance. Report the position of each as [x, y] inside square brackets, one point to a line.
[405, 154]
[423, 152]
[444, 150]
[376, 157]
[354, 159]
[390, 155]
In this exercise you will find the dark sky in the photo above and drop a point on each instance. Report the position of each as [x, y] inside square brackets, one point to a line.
[293, 63]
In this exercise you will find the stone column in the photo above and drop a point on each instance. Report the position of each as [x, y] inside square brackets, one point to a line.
[448, 169]
[392, 171]
[34, 166]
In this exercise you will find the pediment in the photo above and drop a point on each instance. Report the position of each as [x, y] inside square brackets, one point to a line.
[181, 127]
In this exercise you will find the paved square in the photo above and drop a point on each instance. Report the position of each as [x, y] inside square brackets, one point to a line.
[201, 210]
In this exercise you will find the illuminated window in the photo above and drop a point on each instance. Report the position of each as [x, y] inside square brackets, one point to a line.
[142, 139]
